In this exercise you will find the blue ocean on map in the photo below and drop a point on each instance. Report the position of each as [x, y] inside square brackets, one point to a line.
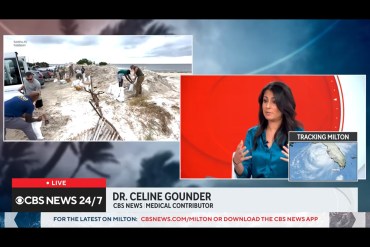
[309, 161]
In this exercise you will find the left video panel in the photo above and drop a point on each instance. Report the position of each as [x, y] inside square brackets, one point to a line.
[94, 88]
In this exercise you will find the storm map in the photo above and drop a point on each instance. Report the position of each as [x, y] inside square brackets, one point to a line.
[323, 161]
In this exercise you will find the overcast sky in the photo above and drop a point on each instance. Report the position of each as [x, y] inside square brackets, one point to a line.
[58, 49]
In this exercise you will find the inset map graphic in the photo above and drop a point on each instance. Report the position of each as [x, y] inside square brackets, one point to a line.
[323, 161]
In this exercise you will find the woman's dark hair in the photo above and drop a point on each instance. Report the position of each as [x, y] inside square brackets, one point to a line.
[285, 103]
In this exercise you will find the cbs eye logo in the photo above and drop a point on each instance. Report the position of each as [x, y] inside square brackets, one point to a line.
[19, 200]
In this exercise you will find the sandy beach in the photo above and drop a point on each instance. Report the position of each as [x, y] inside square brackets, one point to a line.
[153, 116]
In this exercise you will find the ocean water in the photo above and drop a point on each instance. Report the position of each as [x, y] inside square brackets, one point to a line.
[180, 68]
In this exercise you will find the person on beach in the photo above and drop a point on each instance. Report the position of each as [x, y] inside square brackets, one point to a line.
[140, 78]
[17, 108]
[123, 73]
[30, 84]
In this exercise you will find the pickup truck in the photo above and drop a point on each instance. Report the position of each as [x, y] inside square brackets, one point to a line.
[14, 70]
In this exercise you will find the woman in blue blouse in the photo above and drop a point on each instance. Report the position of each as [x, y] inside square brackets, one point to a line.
[265, 153]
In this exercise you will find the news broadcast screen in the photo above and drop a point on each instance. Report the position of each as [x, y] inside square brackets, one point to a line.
[128, 123]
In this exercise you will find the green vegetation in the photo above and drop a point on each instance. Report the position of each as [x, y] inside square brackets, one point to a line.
[102, 63]
[84, 61]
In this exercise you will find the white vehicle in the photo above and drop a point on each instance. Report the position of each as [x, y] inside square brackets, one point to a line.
[14, 70]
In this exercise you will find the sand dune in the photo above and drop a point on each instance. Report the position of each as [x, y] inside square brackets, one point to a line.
[153, 116]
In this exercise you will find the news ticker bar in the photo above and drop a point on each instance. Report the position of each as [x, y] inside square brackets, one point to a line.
[161, 219]
[311, 136]
[181, 207]
[76, 198]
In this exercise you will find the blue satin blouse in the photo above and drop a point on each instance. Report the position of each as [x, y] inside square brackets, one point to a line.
[265, 161]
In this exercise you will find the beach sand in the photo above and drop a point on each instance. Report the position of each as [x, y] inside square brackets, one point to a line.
[153, 116]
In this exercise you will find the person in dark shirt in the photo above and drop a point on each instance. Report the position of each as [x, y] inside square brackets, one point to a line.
[264, 153]
[71, 71]
[140, 78]
[79, 76]
[18, 107]
[123, 73]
